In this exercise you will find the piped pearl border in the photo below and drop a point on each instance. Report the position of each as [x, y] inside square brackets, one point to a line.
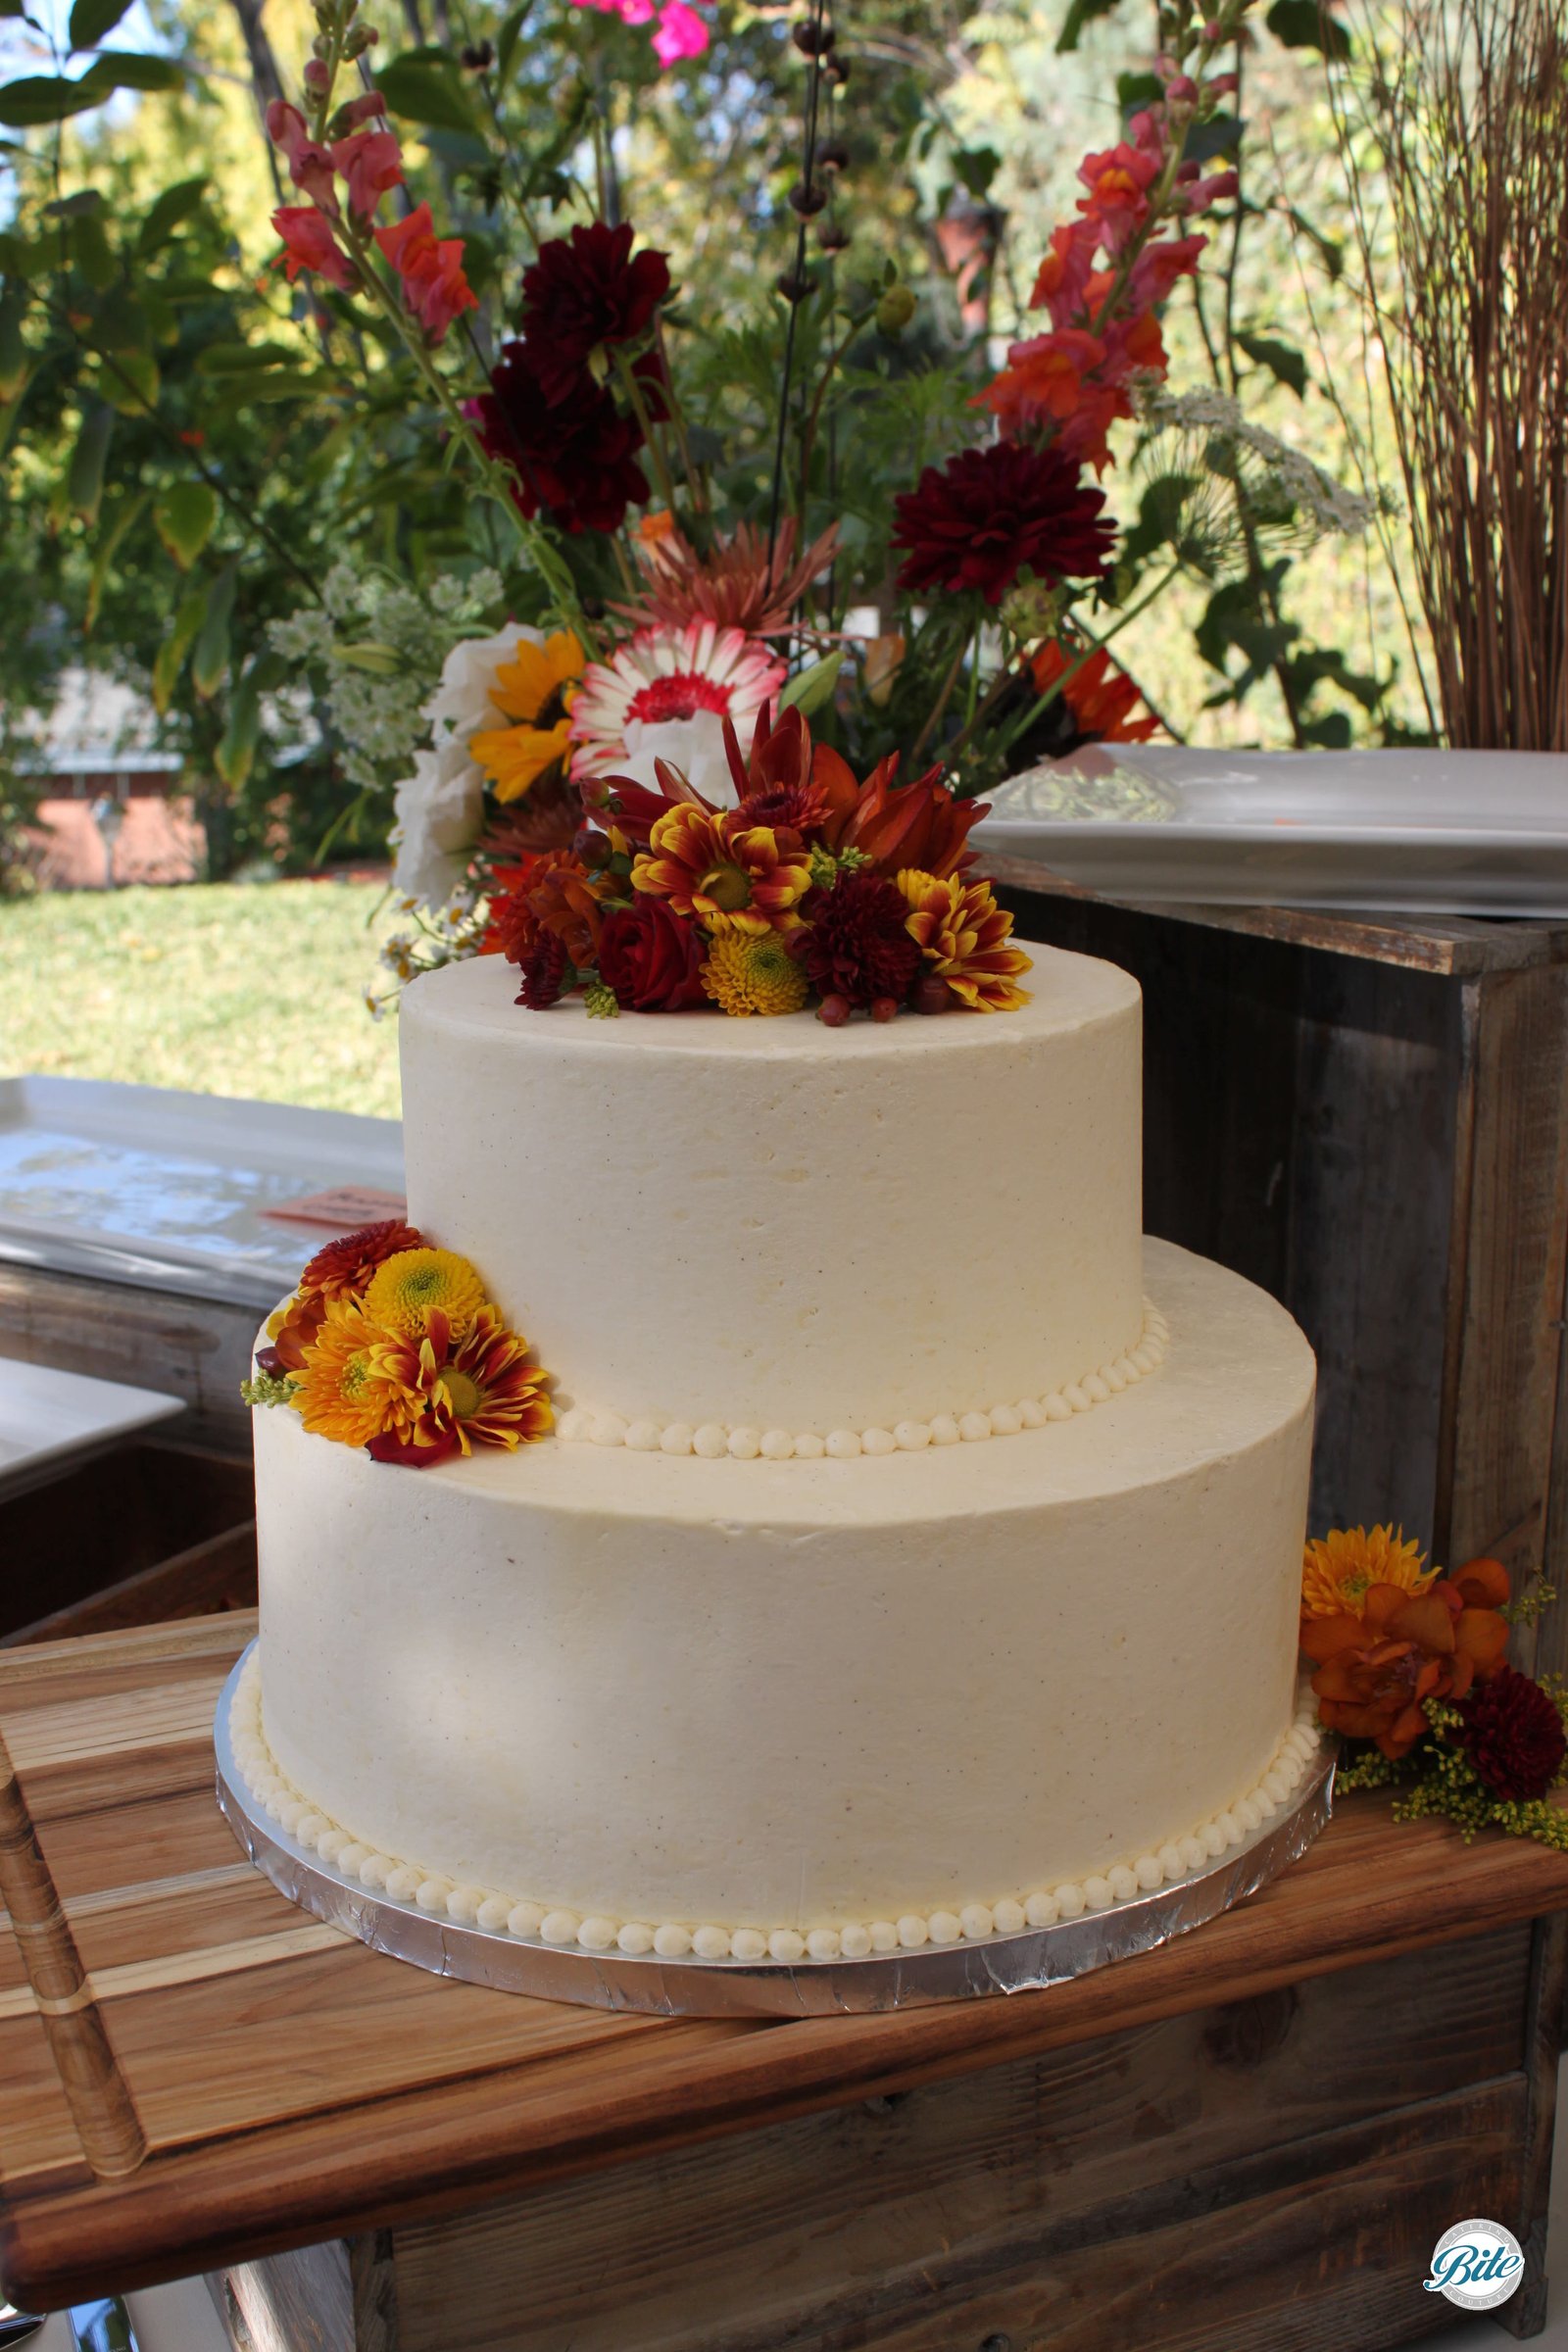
[713, 1440]
[541, 1922]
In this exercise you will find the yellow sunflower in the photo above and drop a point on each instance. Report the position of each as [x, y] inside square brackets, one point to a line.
[405, 1291]
[537, 690]
[1339, 1567]
[349, 1386]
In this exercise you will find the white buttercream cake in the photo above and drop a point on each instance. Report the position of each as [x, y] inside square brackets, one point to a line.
[918, 1551]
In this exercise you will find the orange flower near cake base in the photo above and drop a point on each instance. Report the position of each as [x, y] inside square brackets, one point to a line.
[484, 1392]
[720, 871]
[962, 934]
[1376, 1672]
[1341, 1568]
[409, 1290]
[353, 1385]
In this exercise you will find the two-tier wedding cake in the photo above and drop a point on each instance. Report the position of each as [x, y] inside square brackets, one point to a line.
[916, 1550]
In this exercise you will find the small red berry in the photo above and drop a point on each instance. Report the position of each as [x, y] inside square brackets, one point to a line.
[833, 1011]
[884, 1008]
[931, 994]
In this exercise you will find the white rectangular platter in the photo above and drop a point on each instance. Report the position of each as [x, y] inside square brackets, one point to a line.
[143, 1184]
[1410, 832]
[49, 1418]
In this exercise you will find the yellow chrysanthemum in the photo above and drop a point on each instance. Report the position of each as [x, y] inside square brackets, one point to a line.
[1341, 1566]
[349, 1387]
[965, 937]
[408, 1290]
[747, 975]
[535, 689]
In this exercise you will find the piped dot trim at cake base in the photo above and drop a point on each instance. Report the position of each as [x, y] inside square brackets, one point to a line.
[711, 1440]
[594, 1932]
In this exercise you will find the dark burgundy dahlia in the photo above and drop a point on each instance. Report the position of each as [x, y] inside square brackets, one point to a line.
[578, 462]
[854, 944]
[1513, 1736]
[585, 290]
[990, 514]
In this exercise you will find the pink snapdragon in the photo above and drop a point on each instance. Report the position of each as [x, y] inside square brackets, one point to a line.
[310, 165]
[371, 162]
[429, 270]
[309, 244]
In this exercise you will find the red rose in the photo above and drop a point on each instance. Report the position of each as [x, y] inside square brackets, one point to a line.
[650, 960]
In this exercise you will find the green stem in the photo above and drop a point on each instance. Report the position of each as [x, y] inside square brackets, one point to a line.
[933, 717]
[656, 448]
[496, 477]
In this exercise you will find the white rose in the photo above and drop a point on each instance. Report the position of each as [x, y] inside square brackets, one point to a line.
[696, 746]
[463, 698]
[440, 809]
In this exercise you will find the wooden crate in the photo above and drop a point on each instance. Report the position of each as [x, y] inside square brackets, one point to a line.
[1253, 2136]
[145, 1531]
[1369, 1117]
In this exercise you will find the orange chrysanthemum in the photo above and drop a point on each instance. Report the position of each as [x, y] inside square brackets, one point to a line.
[720, 871]
[962, 934]
[352, 1387]
[484, 1391]
[1341, 1568]
[411, 1290]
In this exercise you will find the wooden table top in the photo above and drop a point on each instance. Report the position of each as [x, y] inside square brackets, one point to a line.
[250, 2078]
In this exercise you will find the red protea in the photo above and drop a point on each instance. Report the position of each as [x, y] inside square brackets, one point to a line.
[1513, 1735]
[854, 944]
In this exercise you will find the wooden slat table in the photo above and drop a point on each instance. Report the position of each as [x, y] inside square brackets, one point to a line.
[1255, 2135]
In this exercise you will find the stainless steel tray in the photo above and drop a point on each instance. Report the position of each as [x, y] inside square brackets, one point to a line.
[956, 1972]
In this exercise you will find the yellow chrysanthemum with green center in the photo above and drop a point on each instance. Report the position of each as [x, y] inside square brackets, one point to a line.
[746, 974]
[409, 1289]
[1341, 1567]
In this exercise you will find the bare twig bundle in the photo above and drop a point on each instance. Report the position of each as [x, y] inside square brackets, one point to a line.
[1466, 111]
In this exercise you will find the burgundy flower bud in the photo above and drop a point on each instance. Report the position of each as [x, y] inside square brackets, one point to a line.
[832, 236]
[1211, 32]
[807, 199]
[476, 57]
[794, 285]
[1223, 85]
[930, 994]
[593, 848]
[833, 1011]
[884, 1008]
[813, 39]
[1182, 88]
[316, 76]
[837, 68]
[1187, 172]
[833, 156]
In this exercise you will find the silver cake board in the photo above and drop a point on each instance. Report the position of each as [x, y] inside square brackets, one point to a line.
[969, 1971]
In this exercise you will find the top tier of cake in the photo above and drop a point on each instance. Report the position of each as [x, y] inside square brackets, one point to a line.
[767, 1223]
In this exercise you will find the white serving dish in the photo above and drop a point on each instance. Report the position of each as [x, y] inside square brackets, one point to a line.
[143, 1184]
[49, 1418]
[1417, 832]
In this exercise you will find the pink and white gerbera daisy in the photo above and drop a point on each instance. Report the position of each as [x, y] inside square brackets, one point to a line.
[664, 694]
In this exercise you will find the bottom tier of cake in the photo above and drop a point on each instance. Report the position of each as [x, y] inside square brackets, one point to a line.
[738, 1707]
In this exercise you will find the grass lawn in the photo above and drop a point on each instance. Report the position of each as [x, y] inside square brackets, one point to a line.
[223, 988]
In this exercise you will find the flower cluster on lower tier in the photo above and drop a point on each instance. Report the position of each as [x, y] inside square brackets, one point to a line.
[393, 1346]
[592, 1931]
[714, 1439]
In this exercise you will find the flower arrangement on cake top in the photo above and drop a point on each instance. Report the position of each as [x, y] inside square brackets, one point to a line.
[806, 883]
[1410, 1669]
[391, 1345]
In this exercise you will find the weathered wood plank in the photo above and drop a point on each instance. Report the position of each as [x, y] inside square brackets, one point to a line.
[189, 1347]
[755, 2240]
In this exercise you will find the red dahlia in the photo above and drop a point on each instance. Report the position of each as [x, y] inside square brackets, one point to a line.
[854, 944]
[989, 513]
[585, 290]
[577, 460]
[348, 1262]
[1513, 1736]
[543, 964]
